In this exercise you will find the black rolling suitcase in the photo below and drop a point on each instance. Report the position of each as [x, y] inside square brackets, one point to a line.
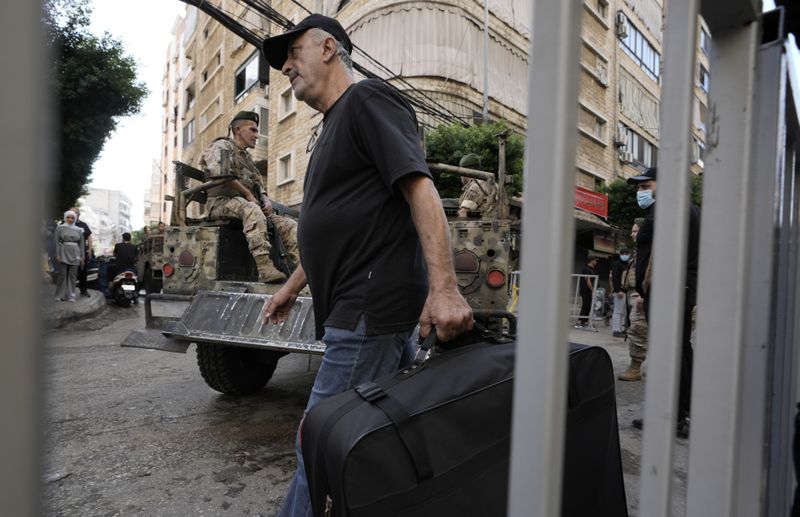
[434, 440]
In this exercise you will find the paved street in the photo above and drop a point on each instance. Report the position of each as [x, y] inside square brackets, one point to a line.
[136, 432]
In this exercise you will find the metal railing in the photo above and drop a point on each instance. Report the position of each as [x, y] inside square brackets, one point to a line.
[745, 376]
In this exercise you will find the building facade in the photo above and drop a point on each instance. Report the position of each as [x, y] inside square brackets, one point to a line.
[438, 51]
[108, 214]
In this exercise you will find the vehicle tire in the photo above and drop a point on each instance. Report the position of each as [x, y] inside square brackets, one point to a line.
[236, 371]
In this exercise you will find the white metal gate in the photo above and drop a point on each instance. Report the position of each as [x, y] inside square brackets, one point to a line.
[745, 381]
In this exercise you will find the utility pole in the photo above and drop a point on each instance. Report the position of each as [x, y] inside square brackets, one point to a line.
[485, 60]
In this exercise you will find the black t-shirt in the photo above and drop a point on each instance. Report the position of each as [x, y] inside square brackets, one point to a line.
[358, 244]
[125, 254]
[86, 233]
[585, 290]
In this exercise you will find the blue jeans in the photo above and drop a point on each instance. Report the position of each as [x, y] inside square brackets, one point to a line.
[351, 358]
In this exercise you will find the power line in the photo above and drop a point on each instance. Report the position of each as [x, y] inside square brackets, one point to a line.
[417, 98]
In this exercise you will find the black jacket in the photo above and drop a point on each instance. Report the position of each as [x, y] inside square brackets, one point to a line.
[644, 246]
[617, 268]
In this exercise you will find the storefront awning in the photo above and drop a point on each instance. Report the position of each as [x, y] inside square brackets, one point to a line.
[587, 221]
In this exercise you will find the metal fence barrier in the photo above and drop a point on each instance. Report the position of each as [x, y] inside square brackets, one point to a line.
[745, 382]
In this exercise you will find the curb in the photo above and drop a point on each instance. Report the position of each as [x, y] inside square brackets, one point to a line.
[62, 312]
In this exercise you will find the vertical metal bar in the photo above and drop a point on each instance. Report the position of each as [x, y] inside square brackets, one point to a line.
[724, 269]
[786, 342]
[669, 259]
[26, 106]
[541, 369]
[759, 305]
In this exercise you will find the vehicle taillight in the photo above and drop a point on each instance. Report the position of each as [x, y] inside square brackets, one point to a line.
[186, 259]
[496, 278]
[167, 269]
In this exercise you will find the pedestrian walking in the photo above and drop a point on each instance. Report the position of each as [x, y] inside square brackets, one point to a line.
[374, 240]
[69, 243]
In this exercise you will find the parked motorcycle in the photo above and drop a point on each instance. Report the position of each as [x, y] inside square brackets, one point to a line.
[124, 288]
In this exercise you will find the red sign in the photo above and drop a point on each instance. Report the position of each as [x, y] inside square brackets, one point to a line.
[591, 201]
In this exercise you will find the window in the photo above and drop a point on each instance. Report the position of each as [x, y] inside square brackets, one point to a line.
[211, 112]
[263, 119]
[705, 41]
[592, 124]
[600, 7]
[285, 169]
[698, 152]
[703, 78]
[700, 115]
[285, 103]
[190, 97]
[212, 67]
[188, 133]
[639, 49]
[246, 76]
[640, 149]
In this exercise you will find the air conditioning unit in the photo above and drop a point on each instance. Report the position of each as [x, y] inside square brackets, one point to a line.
[626, 157]
[621, 137]
[622, 25]
[602, 75]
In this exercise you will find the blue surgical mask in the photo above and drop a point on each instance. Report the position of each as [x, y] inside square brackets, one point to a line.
[624, 258]
[645, 198]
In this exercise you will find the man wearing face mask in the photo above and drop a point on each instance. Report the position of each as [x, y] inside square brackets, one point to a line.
[646, 198]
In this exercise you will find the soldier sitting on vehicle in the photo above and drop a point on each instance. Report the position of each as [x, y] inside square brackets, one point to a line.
[244, 197]
[475, 197]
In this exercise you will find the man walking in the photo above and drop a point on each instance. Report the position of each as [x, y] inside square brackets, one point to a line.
[646, 198]
[244, 197]
[375, 242]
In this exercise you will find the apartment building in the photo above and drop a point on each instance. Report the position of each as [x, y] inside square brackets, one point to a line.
[210, 74]
[438, 51]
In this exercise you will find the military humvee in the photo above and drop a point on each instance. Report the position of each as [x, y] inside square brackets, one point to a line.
[149, 261]
[207, 268]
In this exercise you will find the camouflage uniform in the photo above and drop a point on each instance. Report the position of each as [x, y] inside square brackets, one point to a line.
[222, 157]
[476, 197]
[637, 331]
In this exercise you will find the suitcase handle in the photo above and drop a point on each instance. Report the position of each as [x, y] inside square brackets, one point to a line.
[424, 349]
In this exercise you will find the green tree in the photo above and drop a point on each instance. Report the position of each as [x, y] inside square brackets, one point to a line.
[622, 206]
[449, 143]
[94, 84]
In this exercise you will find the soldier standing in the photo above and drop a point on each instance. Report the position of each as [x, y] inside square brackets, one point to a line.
[237, 198]
[637, 328]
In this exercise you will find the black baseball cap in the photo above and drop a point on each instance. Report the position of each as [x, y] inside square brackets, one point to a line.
[276, 48]
[649, 174]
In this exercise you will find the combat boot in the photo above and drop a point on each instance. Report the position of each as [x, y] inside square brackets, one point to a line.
[267, 272]
[634, 371]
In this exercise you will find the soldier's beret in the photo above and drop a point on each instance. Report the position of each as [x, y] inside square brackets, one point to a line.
[245, 115]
